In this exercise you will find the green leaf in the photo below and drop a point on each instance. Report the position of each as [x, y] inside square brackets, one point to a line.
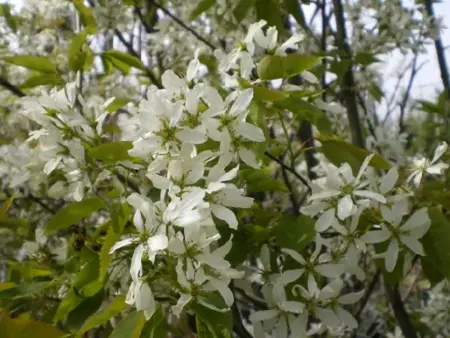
[111, 153]
[11, 20]
[365, 58]
[70, 301]
[42, 80]
[242, 8]
[116, 306]
[4, 207]
[120, 213]
[307, 111]
[376, 92]
[157, 326]
[214, 324]
[86, 309]
[26, 328]
[273, 67]
[118, 103]
[129, 327]
[105, 257]
[86, 16]
[436, 242]
[72, 213]
[269, 10]
[262, 180]
[338, 152]
[295, 232]
[267, 94]
[38, 63]
[202, 7]
[77, 53]
[430, 107]
[293, 7]
[124, 58]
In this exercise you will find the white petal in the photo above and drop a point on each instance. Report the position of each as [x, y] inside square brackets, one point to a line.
[51, 165]
[248, 157]
[376, 236]
[181, 303]
[299, 325]
[120, 244]
[223, 289]
[290, 276]
[145, 301]
[242, 101]
[213, 261]
[263, 315]
[328, 317]
[345, 207]
[371, 195]
[325, 220]
[295, 255]
[158, 242]
[191, 136]
[388, 181]
[330, 270]
[225, 214]
[250, 132]
[363, 168]
[419, 218]
[351, 298]
[136, 262]
[346, 318]
[440, 150]
[324, 195]
[413, 244]
[281, 330]
[391, 255]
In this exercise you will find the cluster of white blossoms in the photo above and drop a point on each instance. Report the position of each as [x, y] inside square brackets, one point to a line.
[188, 143]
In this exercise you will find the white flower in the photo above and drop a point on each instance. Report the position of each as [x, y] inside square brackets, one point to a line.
[151, 235]
[140, 295]
[406, 234]
[339, 195]
[423, 165]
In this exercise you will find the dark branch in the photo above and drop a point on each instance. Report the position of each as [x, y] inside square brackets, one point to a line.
[12, 88]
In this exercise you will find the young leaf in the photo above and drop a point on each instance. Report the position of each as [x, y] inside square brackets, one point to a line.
[295, 232]
[266, 94]
[38, 63]
[202, 7]
[116, 306]
[129, 327]
[293, 7]
[42, 80]
[118, 103]
[338, 152]
[307, 111]
[105, 257]
[269, 10]
[436, 242]
[214, 324]
[87, 18]
[72, 213]
[124, 58]
[242, 8]
[157, 326]
[273, 67]
[112, 152]
[15, 328]
[76, 54]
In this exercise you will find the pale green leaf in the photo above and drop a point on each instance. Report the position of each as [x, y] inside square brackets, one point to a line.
[116, 306]
[112, 152]
[38, 63]
[129, 327]
[273, 67]
[72, 213]
[202, 7]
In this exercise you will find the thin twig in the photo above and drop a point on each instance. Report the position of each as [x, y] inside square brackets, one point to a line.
[238, 326]
[182, 24]
[12, 88]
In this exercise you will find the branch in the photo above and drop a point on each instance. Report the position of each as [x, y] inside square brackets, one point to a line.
[131, 51]
[349, 94]
[12, 88]
[238, 326]
[182, 24]
[291, 170]
[400, 313]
